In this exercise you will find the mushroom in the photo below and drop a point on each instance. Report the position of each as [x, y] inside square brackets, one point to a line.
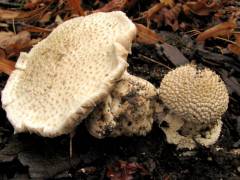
[128, 110]
[196, 100]
[59, 82]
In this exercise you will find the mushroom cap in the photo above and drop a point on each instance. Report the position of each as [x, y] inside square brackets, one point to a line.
[198, 96]
[58, 83]
[128, 110]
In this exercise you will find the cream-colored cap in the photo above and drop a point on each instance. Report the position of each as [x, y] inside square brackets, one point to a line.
[58, 83]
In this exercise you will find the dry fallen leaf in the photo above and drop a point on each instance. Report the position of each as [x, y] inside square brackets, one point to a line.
[173, 54]
[224, 30]
[201, 7]
[235, 48]
[159, 13]
[46, 17]
[13, 43]
[32, 4]
[114, 5]
[20, 15]
[75, 6]
[37, 29]
[151, 12]
[146, 35]
[6, 66]
[169, 3]
[171, 16]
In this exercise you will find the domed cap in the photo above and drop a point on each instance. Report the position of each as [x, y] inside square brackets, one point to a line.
[198, 96]
[58, 83]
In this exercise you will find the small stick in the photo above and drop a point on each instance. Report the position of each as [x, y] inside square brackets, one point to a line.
[13, 25]
[154, 61]
[227, 40]
[72, 134]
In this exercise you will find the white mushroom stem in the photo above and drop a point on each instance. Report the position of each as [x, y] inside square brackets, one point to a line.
[174, 137]
[128, 110]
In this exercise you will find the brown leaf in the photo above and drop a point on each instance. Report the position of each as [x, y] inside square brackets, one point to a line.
[37, 29]
[46, 17]
[225, 29]
[235, 48]
[2, 53]
[6, 66]
[201, 7]
[114, 5]
[14, 43]
[20, 15]
[146, 35]
[169, 3]
[174, 54]
[160, 13]
[32, 4]
[196, 7]
[171, 16]
[75, 5]
[152, 11]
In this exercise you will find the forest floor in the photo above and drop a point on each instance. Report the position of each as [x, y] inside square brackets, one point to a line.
[172, 33]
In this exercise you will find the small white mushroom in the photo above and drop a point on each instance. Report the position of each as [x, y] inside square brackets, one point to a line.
[58, 83]
[196, 98]
[128, 110]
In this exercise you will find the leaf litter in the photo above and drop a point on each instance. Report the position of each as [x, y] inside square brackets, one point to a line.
[170, 33]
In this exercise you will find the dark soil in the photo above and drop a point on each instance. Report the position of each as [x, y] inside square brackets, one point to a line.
[25, 156]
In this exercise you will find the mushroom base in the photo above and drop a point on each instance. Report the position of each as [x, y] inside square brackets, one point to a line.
[127, 111]
[190, 141]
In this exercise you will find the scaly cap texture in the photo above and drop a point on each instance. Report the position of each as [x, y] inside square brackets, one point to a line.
[198, 96]
[57, 84]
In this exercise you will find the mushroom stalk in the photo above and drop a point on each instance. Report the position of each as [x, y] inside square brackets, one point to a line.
[128, 110]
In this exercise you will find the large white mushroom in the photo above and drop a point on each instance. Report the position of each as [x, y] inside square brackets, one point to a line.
[59, 82]
[196, 98]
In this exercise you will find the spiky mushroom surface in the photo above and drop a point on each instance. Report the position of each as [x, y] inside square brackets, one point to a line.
[58, 83]
[128, 110]
[197, 98]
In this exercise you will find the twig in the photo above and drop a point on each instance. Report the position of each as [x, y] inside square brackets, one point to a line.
[154, 61]
[72, 134]
[13, 25]
[227, 40]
